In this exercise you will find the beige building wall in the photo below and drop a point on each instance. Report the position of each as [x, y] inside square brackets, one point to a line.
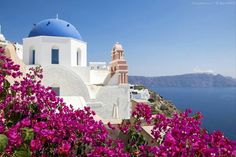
[10, 52]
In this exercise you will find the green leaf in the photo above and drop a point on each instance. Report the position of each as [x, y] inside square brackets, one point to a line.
[7, 108]
[3, 94]
[15, 117]
[33, 108]
[3, 142]
[6, 84]
[13, 92]
[23, 151]
[27, 133]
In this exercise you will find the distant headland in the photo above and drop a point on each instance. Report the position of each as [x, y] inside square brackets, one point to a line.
[194, 80]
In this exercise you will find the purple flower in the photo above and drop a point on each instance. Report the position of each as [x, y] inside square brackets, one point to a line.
[64, 148]
[110, 126]
[59, 130]
[35, 145]
[25, 122]
[2, 128]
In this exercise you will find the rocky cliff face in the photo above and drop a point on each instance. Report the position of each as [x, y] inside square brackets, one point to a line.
[164, 106]
[159, 104]
[197, 80]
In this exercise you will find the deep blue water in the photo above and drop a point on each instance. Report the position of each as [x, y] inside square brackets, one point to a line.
[218, 106]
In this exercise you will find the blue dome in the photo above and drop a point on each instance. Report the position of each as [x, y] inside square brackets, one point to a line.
[55, 27]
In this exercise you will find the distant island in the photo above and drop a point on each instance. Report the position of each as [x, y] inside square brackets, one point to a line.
[194, 80]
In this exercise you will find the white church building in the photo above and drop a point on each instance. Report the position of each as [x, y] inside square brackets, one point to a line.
[57, 46]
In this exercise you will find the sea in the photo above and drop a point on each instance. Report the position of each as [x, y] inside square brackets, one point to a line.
[218, 106]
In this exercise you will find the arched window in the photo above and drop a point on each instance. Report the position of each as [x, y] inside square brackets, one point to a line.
[55, 56]
[32, 57]
[78, 57]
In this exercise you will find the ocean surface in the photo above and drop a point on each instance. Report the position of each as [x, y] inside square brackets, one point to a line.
[218, 106]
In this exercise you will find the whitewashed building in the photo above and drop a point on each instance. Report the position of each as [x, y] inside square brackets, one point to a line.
[57, 46]
[142, 94]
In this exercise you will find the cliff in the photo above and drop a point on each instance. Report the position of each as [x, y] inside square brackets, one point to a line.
[158, 103]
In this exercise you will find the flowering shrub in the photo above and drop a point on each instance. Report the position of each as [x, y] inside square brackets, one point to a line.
[34, 122]
[183, 136]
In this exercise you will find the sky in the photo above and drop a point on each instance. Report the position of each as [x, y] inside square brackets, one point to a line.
[160, 37]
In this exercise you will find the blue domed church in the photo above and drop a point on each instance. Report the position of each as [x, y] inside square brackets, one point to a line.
[58, 47]
[55, 41]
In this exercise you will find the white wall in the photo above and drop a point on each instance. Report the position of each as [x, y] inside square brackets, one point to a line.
[78, 46]
[98, 66]
[83, 72]
[77, 102]
[44, 44]
[70, 83]
[19, 50]
[28, 45]
[114, 80]
[109, 95]
[98, 76]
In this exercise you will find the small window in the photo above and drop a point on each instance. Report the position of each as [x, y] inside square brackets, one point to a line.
[56, 90]
[55, 56]
[77, 57]
[33, 56]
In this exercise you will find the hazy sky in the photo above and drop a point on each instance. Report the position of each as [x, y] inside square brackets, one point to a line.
[160, 37]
